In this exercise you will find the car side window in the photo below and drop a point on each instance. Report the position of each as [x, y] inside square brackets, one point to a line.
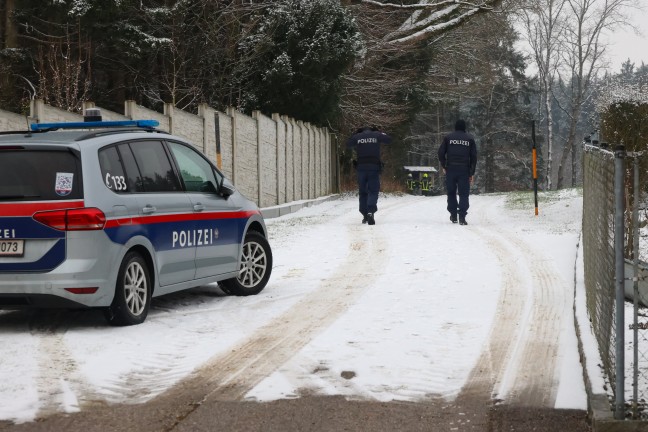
[197, 174]
[133, 177]
[156, 172]
[112, 171]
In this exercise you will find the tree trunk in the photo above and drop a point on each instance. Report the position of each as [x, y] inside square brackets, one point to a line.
[9, 34]
[549, 112]
[569, 145]
[489, 167]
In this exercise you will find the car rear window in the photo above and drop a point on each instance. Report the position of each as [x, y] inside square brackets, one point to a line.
[39, 175]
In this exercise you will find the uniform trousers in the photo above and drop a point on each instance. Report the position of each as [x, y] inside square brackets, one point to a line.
[368, 188]
[458, 181]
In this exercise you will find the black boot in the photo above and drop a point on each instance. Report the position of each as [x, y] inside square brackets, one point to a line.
[370, 219]
[462, 220]
[364, 219]
[453, 218]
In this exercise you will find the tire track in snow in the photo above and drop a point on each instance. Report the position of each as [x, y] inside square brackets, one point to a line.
[58, 372]
[147, 377]
[504, 334]
[536, 381]
[233, 375]
[521, 363]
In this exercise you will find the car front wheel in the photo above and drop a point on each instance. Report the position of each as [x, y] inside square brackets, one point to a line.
[132, 292]
[255, 268]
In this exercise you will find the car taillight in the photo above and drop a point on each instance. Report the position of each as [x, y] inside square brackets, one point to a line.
[83, 219]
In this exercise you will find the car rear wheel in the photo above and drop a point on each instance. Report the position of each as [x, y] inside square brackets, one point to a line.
[132, 292]
[255, 267]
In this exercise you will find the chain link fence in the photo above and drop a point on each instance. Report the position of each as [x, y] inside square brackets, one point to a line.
[623, 345]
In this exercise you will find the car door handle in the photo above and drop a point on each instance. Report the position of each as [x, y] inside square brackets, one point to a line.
[198, 207]
[148, 209]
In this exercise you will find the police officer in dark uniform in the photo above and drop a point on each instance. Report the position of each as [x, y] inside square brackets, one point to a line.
[458, 157]
[366, 143]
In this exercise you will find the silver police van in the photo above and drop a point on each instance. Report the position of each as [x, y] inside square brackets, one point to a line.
[110, 214]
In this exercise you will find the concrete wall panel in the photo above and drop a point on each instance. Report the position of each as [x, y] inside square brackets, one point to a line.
[271, 161]
[14, 122]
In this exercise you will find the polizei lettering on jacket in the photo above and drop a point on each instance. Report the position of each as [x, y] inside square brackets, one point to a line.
[196, 237]
[368, 141]
[460, 142]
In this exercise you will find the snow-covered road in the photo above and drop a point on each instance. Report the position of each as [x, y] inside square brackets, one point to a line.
[411, 308]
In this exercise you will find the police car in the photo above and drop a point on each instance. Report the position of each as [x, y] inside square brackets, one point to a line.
[110, 214]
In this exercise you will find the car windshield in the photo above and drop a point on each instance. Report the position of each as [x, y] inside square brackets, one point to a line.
[35, 175]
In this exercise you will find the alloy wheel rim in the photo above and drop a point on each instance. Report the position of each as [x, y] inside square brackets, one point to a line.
[253, 265]
[135, 288]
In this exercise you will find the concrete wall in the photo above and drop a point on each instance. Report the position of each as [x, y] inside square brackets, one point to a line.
[12, 121]
[225, 136]
[246, 153]
[267, 139]
[271, 160]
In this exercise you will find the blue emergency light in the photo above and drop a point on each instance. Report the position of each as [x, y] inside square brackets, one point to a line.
[147, 124]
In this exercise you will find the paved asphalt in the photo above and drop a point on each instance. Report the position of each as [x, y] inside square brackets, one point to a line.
[309, 414]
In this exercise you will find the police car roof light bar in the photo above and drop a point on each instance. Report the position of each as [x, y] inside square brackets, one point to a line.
[146, 124]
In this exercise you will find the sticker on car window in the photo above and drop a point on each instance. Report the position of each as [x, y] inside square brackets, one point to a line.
[116, 182]
[63, 185]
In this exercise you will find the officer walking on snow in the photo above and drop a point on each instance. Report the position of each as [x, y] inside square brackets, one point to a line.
[366, 143]
[458, 157]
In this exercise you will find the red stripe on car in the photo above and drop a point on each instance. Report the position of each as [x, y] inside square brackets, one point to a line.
[29, 208]
[180, 217]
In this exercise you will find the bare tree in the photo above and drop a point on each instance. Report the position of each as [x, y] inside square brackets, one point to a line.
[379, 89]
[373, 88]
[484, 76]
[582, 55]
[429, 18]
[63, 67]
[565, 37]
[543, 25]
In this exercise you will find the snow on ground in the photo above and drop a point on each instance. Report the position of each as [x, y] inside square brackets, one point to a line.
[397, 311]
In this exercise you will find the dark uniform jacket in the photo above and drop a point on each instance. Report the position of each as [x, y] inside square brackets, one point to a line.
[458, 150]
[367, 146]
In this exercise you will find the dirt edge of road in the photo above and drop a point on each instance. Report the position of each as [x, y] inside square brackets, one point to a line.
[321, 414]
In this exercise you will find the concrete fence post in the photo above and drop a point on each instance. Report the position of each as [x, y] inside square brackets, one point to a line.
[231, 111]
[281, 171]
[129, 108]
[203, 112]
[37, 110]
[256, 115]
[168, 111]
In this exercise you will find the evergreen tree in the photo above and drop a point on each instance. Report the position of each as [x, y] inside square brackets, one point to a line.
[299, 51]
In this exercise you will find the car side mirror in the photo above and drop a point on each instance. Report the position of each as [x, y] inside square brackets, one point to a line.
[226, 189]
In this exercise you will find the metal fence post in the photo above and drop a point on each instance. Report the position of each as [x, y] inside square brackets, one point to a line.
[636, 195]
[619, 230]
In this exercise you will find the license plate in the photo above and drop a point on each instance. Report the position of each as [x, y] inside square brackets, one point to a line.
[12, 248]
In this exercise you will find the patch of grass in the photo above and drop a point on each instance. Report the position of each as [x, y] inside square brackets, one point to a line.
[524, 199]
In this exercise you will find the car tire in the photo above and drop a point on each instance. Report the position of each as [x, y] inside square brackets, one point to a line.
[255, 267]
[132, 299]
